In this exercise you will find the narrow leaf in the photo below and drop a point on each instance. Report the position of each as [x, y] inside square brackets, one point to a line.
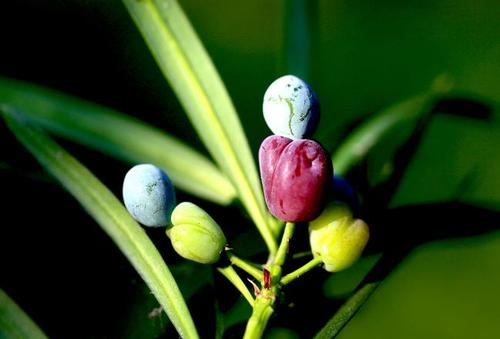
[14, 323]
[359, 143]
[118, 135]
[364, 138]
[112, 216]
[193, 77]
[346, 312]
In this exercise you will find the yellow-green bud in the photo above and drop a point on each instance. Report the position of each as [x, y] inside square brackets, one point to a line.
[195, 235]
[337, 238]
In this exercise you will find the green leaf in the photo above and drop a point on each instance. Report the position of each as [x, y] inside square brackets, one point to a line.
[14, 323]
[445, 289]
[394, 119]
[342, 284]
[346, 312]
[237, 314]
[300, 26]
[111, 215]
[457, 160]
[143, 321]
[193, 77]
[118, 135]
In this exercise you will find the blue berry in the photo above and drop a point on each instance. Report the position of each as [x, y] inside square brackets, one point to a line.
[149, 195]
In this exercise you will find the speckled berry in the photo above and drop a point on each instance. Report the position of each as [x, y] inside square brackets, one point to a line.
[149, 195]
[291, 109]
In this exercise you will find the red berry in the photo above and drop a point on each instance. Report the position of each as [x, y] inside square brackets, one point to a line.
[295, 174]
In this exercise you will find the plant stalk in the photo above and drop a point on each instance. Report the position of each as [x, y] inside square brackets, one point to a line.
[262, 311]
[270, 288]
[235, 279]
[246, 266]
[300, 271]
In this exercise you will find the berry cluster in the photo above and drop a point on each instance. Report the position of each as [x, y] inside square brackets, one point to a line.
[294, 170]
[296, 173]
[149, 196]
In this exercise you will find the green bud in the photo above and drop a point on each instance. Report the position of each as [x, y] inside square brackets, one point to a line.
[337, 238]
[195, 235]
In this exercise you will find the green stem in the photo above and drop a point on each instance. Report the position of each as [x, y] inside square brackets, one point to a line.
[300, 271]
[235, 279]
[246, 266]
[283, 248]
[302, 255]
[266, 297]
[346, 312]
[262, 311]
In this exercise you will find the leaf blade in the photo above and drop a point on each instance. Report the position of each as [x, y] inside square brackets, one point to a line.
[193, 77]
[359, 143]
[346, 312]
[14, 322]
[118, 135]
[108, 211]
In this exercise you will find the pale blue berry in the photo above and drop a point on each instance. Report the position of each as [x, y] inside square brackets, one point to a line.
[291, 109]
[149, 195]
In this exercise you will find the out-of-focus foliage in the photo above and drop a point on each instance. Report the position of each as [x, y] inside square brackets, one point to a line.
[364, 57]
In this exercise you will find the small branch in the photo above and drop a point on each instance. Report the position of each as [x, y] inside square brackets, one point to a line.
[302, 255]
[285, 241]
[262, 311]
[300, 271]
[235, 279]
[245, 265]
[346, 312]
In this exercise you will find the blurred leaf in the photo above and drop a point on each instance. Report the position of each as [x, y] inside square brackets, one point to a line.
[281, 333]
[341, 284]
[457, 160]
[193, 77]
[301, 24]
[108, 211]
[118, 135]
[219, 321]
[364, 138]
[446, 289]
[238, 313]
[143, 318]
[14, 323]
[346, 312]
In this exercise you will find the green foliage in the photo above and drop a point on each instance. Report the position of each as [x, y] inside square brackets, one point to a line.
[446, 289]
[118, 135]
[190, 71]
[425, 167]
[109, 212]
[14, 323]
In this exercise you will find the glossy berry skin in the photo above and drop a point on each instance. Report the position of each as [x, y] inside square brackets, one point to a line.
[290, 107]
[337, 238]
[195, 235]
[149, 195]
[295, 175]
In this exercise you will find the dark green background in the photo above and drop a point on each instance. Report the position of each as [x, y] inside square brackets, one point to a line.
[361, 57]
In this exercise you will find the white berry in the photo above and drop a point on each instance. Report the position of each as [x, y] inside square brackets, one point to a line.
[291, 109]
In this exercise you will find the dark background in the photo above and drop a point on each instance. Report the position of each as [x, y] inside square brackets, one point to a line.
[361, 57]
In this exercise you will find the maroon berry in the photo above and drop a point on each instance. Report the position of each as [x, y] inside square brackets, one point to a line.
[294, 176]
